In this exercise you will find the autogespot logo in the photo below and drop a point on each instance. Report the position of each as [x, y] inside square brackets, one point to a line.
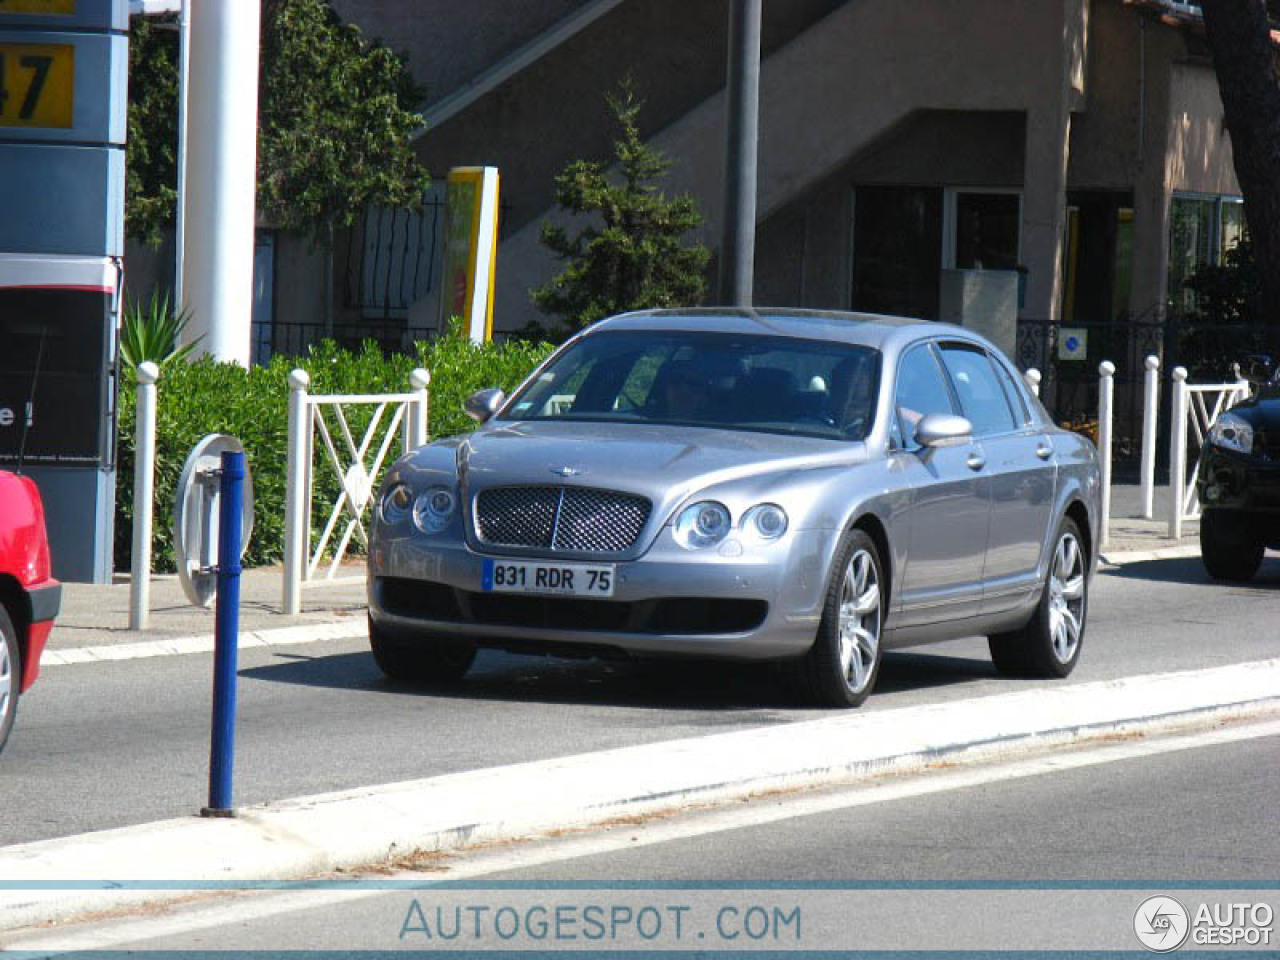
[1161, 924]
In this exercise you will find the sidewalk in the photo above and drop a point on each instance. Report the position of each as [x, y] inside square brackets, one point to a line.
[1133, 539]
[97, 615]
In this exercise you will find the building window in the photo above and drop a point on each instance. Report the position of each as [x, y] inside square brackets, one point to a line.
[905, 236]
[1201, 230]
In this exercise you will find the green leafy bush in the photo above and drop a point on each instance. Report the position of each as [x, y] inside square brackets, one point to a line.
[204, 397]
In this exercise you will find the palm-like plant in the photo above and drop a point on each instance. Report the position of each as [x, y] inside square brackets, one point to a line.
[150, 331]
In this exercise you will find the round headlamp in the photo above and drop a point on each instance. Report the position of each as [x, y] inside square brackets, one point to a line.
[433, 508]
[766, 521]
[397, 500]
[702, 525]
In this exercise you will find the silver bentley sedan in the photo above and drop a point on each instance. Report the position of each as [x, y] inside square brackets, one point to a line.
[808, 487]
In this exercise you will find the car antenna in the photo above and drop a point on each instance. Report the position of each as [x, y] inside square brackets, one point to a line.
[29, 413]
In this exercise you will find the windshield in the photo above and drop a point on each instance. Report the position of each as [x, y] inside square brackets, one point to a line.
[735, 381]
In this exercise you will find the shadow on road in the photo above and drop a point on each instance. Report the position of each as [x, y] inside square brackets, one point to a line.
[1191, 570]
[714, 686]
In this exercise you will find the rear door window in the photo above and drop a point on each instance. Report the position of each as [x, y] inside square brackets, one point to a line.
[982, 399]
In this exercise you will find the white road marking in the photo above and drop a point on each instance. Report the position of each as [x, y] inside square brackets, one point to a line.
[242, 907]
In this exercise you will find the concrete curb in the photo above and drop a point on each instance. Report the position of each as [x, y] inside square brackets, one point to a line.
[1120, 558]
[346, 629]
[60, 879]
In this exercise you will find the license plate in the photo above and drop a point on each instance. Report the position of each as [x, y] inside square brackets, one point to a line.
[538, 576]
[37, 83]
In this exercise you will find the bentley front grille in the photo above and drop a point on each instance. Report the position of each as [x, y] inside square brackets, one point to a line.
[570, 519]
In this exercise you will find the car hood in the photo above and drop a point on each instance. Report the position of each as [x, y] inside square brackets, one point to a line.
[1263, 411]
[660, 462]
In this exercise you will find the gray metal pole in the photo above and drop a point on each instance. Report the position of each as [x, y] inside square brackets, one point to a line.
[742, 124]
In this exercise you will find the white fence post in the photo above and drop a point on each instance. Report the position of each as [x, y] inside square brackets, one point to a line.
[144, 475]
[296, 507]
[1150, 413]
[1106, 404]
[1032, 378]
[416, 426]
[1177, 451]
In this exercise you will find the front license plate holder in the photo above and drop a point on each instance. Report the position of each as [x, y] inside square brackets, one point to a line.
[548, 577]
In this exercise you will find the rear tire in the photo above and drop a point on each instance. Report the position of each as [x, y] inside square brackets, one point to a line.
[423, 661]
[1049, 645]
[1227, 558]
[841, 667]
[10, 675]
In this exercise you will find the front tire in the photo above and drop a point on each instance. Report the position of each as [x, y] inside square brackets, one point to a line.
[1049, 645]
[841, 667]
[10, 675]
[423, 661]
[1227, 558]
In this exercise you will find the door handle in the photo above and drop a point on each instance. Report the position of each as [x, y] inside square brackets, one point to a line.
[1044, 451]
[976, 461]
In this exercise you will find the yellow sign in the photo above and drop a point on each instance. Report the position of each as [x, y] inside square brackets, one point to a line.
[37, 83]
[470, 250]
[52, 7]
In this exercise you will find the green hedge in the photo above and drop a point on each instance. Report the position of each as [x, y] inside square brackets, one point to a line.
[205, 397]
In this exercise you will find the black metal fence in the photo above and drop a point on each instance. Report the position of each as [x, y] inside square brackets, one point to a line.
[1069, 388]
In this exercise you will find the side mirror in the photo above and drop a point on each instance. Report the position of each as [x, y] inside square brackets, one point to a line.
[1258, 369]
[942, 429]
[483, 404]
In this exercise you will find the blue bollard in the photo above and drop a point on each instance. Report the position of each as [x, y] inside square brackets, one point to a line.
[226, 636]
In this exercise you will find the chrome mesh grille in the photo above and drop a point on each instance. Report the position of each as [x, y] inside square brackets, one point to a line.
[579, 519]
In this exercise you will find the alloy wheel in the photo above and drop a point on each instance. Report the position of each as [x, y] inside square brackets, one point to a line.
[1066, 598]
[6, 681]
[859, 621]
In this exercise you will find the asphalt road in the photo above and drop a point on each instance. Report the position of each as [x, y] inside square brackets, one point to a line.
[108, 744]
[1187, 819]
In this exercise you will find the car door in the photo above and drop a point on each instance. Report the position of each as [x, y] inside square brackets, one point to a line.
[948, 516]
[1020, 472]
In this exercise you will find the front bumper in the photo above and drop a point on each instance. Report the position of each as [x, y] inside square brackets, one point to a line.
[763, 604]
[1243, 484]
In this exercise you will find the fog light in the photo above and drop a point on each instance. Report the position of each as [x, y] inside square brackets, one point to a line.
[1213, 492]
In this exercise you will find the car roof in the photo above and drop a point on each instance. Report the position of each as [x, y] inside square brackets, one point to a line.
[868, 329]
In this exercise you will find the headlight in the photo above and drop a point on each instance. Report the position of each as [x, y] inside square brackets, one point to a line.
[1233, 433]
[396, 503]
[433, 508]
[702, 525]
[767, 521]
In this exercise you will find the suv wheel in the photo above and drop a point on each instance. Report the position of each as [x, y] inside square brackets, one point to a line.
[1227, 557]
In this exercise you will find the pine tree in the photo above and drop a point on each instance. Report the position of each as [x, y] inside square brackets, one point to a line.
[631, 253]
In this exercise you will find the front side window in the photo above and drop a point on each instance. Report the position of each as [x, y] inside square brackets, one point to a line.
[921, 390]
[696, 378]
[982, 400]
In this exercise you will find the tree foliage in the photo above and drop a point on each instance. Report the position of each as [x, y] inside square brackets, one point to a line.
[151, 179]
[631, 253]
[335, 117]
[336, 114]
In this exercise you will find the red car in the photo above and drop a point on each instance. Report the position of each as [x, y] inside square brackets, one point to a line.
[29, 596]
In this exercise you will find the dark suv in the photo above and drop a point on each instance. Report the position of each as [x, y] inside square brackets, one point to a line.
[1239, 479]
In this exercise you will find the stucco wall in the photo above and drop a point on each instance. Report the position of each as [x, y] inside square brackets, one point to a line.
[1199, 147]
[842, 85]
[449, 42]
